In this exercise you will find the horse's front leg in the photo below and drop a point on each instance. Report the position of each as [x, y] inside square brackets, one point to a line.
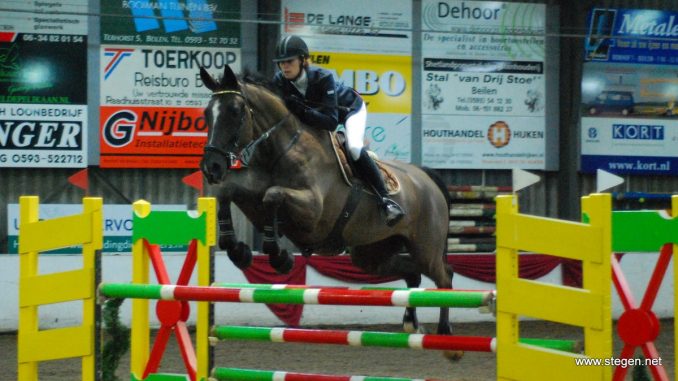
[238, 251]
[300, 205]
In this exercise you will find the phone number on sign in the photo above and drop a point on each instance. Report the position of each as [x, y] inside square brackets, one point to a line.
[38, 158]
[211, 40]
[53, 38]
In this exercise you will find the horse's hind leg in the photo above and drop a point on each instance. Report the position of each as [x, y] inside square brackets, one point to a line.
[384, 259]
[433, 264]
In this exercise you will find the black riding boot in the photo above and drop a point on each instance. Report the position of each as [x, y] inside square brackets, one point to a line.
[371, 173]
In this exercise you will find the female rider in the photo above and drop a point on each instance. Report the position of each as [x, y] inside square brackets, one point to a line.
[317, 100]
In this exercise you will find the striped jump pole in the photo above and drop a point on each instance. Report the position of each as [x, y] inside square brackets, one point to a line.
[379, 339]
[402, 298]
[265, 286]
[237, 374]
[356, 338]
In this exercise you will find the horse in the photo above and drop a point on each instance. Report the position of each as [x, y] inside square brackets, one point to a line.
[285, 177]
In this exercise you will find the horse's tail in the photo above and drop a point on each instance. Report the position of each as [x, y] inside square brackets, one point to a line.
[439, 182]
[443, 188]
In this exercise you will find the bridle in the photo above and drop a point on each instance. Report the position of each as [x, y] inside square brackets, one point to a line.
[243, 158]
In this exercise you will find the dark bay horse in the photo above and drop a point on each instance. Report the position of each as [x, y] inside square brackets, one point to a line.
[289, 182]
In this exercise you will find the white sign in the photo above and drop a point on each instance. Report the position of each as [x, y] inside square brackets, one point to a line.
[353, 26]
[389, 143]
[40, 135]
[629, 145]
[160, 76]
[117, 224]
[46, 17]
[483, 85]
[458, 141]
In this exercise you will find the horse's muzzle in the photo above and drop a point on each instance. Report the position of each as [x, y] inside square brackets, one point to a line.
[214, 167]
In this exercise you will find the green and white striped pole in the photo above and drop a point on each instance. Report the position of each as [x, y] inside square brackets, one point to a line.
[330, 296]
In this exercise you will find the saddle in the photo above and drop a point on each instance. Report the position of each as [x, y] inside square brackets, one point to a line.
[347, 172]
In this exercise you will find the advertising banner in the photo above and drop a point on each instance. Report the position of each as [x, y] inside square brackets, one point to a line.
[483, 85]
[368, 46]
[152, 98]
[629, 122]
[117, 226]
[43, 85]
[152, 101]
[383, 82]
[642, 36]
[171, 22]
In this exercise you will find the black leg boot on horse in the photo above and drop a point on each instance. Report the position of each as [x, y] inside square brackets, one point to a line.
[280, 260]
[239, 253]
[370, 172]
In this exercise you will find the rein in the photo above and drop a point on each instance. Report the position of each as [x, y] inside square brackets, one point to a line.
[243, 158]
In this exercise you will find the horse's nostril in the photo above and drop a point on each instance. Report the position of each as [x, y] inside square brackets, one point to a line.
[215, 170]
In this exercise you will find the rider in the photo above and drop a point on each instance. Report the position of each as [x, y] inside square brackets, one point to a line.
[316, 99]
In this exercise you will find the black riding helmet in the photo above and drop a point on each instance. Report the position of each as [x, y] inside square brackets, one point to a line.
[290, 47]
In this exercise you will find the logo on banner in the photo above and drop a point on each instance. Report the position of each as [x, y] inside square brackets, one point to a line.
[434, 96]
[173, 14]
[499, 134]
[637, 132]
[117, 55]
[118, 130]
[293, 18]
[8, 36]
[329, 23]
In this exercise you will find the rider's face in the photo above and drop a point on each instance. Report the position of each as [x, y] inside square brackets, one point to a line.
[290, 68]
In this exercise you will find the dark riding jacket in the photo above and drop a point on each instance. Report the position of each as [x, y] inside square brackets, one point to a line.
[327, 103]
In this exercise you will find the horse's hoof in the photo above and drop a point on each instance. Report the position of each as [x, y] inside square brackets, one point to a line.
[413, 326]
[410, 321]
[271, 248]
[453, 355]
[226, 242]
[282, 263]
[410, 327]
[241, 256]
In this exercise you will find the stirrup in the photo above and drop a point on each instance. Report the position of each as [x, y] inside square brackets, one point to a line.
[393, 212]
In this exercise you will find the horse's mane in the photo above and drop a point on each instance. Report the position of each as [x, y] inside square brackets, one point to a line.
[251, 77]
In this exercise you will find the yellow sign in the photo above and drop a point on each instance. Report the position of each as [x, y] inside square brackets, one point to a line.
[384, 81]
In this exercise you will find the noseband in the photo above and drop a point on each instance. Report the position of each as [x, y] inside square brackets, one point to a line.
[242, 159]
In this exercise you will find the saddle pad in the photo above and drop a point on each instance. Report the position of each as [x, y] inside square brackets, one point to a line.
[338, 139]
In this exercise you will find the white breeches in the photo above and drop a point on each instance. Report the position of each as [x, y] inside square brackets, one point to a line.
[355, 132]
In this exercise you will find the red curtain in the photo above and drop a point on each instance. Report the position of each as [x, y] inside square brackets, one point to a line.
[340, 267]
[482, 266]
[261, 272]
[475, 266]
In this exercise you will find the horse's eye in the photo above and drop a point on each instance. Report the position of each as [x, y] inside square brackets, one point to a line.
[234, 109]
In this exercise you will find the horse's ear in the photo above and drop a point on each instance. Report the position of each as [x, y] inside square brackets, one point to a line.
[207, 80]
[229, 81]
